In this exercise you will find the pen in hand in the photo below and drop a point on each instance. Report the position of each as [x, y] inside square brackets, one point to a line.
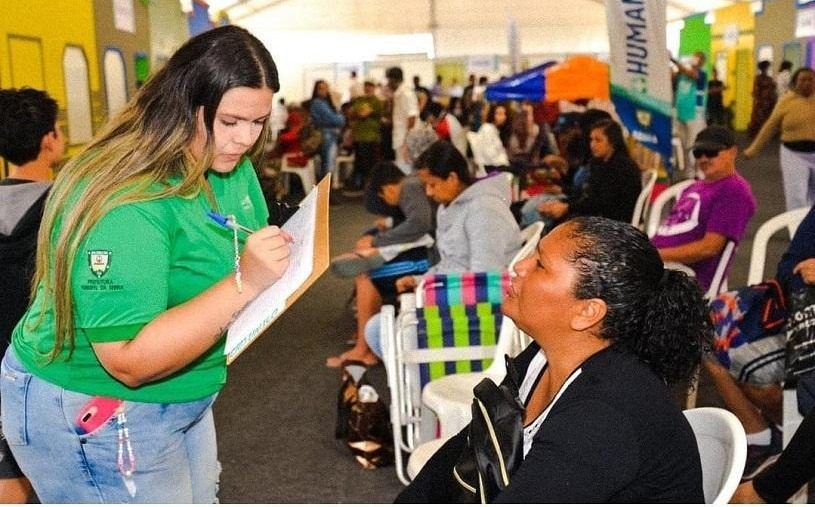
[229, 223]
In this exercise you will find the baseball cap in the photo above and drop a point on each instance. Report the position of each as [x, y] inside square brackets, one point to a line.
[714, 138]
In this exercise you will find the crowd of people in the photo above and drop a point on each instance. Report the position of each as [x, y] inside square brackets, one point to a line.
[113, 365]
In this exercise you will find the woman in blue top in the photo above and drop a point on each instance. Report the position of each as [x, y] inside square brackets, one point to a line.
[329, 121]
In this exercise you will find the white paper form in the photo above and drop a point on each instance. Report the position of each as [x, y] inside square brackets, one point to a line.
[270, 303]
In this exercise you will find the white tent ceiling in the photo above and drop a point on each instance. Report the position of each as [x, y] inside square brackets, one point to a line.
[421, 15]
[304, 34]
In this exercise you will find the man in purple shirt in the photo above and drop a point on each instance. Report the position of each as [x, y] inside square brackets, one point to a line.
[710, 212]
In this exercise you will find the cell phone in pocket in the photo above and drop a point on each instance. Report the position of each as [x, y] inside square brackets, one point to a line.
[94, 414]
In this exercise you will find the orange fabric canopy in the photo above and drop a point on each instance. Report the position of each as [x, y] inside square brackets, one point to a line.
[579, 77]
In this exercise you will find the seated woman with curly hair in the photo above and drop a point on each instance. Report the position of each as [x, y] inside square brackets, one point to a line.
[612, 329]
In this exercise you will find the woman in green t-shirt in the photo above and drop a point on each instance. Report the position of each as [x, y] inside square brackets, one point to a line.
[108, 386]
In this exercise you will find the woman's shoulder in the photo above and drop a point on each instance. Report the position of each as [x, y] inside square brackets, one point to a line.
[619, 379]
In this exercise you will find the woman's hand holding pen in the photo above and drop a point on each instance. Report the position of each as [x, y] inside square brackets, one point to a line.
[265, 257]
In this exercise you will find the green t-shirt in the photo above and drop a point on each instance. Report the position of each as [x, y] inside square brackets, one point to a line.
[138, 261]
[366, 130]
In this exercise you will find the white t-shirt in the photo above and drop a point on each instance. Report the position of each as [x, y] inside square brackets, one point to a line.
[405, 105]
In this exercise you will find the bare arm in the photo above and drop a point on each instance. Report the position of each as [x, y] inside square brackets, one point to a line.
[183, 333]
[709, 246]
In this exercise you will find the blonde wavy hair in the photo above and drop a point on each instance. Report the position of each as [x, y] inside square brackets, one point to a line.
[138, 152]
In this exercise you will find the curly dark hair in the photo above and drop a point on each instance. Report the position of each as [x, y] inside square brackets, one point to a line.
[26, 115]
[658, 314]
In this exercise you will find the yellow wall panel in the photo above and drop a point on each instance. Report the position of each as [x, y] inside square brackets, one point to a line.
[56, 23]
[26, 62]
[734, 31]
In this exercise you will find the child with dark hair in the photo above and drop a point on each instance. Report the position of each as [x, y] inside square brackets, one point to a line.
[30, 140]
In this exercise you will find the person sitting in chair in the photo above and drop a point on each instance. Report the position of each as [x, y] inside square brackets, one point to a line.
[611, 328]
[406, 192]
[611, 190]
[475, 230]
[710, 212]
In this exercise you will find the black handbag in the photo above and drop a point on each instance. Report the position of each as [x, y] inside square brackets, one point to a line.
[494, 448]
[363, 422]
[800, 335]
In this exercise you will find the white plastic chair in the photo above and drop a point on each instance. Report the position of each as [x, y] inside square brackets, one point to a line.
[758, 258]
[717, 285]
[644, 199]
[307, 174]
[667, 196]
[339, 162]
[722, 447]
[422, 454]
[720, 438]
[758, 255]
[450, 397]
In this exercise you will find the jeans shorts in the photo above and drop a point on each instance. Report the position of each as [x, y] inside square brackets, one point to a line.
[173, 445]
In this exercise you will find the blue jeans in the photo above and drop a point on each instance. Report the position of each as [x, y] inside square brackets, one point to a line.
[530, 213]
[173, 444]
[373, 336]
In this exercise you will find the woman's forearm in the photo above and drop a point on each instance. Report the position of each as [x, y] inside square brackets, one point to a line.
[177, 337]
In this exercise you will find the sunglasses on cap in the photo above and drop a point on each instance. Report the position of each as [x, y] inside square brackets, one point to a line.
[708, 153]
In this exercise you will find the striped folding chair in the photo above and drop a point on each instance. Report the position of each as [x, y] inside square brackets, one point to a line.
[460, 311]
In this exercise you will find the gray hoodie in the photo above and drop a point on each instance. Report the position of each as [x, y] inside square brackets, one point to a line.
[477, 232]
[21, 206]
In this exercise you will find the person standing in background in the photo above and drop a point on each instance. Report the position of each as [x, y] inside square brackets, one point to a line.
[691, 93]
[455, 91]
[33, 142]
[782, 81]
[793, 116]
[764, 98]
[438, 89]
[366, 116]
[715, 101]
[405, 114]
[326, 117]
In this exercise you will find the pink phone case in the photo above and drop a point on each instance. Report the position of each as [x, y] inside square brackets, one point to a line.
[96, 413]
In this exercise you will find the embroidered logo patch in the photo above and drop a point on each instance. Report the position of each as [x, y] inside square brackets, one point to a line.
[99, 262]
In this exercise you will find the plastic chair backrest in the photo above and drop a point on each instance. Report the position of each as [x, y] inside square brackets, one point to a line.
[668, 195]
[642, 205]
[719, 282]
[307, 174]
[758, 255]
[722, 447]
